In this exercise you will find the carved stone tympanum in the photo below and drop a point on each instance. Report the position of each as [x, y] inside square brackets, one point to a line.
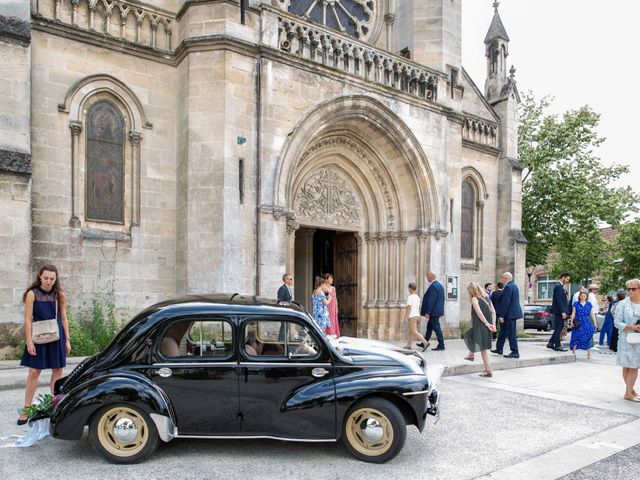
[326, 197]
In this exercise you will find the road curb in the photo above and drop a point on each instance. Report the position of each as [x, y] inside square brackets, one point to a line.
[453, 370]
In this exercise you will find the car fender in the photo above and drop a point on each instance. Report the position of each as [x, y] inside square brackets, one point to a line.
[352, 388]
[74, 411]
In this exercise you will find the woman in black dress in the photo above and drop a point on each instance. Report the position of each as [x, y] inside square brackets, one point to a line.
[44, 300]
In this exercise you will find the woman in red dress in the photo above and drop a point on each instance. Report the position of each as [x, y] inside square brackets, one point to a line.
[330, 291]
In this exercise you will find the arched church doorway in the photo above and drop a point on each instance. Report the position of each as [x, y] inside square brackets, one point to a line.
[319, 251]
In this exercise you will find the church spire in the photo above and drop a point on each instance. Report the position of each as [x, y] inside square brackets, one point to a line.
[496, 50]
[496, 29]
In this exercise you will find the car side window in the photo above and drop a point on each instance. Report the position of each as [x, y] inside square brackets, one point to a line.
[197, 338]
[279, 338]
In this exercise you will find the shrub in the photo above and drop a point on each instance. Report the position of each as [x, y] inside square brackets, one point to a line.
[465, 326]
[92, 327]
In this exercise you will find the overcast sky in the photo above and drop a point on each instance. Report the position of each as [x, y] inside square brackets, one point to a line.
[579, 51]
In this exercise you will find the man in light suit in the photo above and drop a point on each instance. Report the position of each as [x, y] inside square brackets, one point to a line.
[509, 309]
[432, 309]
[285, 292]
[560, 309]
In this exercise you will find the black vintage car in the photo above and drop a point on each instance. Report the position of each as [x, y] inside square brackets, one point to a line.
[230, 367]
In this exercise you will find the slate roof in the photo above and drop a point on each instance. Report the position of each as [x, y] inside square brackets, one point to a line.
[496, 29]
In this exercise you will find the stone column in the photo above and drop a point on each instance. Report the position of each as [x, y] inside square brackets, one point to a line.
[76, 130]
[382, 272]
[135, 138]
[370, 270]
[292, 228]
[402, 240]
[389, 20]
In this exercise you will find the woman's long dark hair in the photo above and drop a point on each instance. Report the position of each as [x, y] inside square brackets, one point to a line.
[36, 283]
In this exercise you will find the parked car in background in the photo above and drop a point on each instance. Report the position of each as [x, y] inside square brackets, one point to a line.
[538, 317]
[233, 366]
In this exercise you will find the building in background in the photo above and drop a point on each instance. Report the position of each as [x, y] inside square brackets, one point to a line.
[166, 147]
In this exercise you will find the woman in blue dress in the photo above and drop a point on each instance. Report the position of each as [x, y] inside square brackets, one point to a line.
[607, 326]
[44, 300]
[582, 335]
[320, 302]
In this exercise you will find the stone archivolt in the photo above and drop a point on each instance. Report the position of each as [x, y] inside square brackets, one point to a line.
[328, 198]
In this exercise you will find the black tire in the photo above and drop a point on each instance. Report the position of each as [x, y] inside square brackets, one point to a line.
[547, 327]
[383, 418]
[123, 450]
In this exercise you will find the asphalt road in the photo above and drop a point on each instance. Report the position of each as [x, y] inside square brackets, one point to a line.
[484, 427]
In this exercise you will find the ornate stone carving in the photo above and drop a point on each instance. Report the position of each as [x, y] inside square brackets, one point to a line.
[366, 159]
[328, 198]
[353, 17]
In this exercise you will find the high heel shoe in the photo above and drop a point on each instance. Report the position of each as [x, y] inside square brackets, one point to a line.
[23, 418]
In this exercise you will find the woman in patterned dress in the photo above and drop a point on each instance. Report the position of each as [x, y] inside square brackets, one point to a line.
[320, 302]
[44, 300]
[330, 291]
[582, 336]
[627, 319]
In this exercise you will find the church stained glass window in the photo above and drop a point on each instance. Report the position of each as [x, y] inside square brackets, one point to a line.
[353, 17]
[105, 163]
[467, 220]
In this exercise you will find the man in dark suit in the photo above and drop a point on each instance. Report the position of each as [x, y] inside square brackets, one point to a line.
[495, 297]
[509, 309]
[285, 292]
[432, 309]
[560, 309]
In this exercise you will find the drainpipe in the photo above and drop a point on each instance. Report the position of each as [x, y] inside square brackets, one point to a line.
[258, 170]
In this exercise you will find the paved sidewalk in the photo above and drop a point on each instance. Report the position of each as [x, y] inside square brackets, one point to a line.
[532, 353]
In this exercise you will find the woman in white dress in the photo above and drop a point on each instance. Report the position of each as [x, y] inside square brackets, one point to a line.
[627, 320]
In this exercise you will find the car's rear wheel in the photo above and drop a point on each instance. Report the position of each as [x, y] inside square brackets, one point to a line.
[374, 430]
[123, 434]
[547, 327]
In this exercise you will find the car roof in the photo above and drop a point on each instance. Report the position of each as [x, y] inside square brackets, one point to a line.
[227, 302]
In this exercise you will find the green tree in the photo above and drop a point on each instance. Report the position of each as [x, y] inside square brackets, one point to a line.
[567, 193]
[625, 257]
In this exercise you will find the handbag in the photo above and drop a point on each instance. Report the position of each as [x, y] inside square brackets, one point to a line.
[45, 331]
[633, 338]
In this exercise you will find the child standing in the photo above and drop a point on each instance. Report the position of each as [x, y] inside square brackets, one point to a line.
[412, 315]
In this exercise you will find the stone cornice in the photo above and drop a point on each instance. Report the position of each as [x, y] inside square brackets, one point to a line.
[15, 30]
[12, 161]
[101, 40]
[224, 42]
[190, 3]
[481, 148]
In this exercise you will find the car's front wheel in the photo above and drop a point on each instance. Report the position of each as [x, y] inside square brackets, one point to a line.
[374, 430]
[123, 433]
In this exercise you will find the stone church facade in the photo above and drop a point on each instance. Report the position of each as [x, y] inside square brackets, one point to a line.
[180, 146]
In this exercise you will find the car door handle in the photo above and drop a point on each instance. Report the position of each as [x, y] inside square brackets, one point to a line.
[319, 372]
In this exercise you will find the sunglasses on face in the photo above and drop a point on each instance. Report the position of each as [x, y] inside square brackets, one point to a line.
[632, 289]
